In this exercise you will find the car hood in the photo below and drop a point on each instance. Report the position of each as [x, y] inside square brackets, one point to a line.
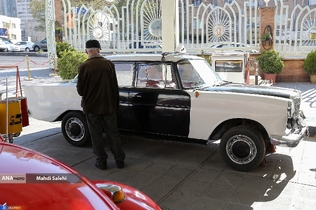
[31, 180]
[256, 90]
[22, 160]
[35, 181]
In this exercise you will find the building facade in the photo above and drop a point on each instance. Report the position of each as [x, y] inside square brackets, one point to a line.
[8, 8]
[11, 28]
[24, 13]
[31, 34]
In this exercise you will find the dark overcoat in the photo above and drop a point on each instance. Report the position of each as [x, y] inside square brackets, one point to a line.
[97, 84]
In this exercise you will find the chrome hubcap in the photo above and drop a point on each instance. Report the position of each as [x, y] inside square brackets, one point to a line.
[75, 129]
[241, 149]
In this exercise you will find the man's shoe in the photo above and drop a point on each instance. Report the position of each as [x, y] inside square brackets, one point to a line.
[101, 165]
[120, 164]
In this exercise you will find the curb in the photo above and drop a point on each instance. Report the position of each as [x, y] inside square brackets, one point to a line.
[32, 54]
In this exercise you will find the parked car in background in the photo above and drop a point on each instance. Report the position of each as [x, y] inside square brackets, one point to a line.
[233, 46]
[26, 46]
[280, 36]
[31, 180]
[7, 46]
[3, 47]
[5, 39]
[290, 37]
[180, 95]
[42, 45]
[147, 45]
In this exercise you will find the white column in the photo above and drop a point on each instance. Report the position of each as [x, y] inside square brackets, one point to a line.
[170, 25]
[50, 31]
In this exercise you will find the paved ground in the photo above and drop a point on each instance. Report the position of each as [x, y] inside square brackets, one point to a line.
[181, 175]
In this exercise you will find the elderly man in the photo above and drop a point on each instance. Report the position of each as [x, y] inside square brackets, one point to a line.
[97, 84]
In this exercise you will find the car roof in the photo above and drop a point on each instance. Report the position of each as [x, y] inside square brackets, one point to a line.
[25, 42]
[171, 57]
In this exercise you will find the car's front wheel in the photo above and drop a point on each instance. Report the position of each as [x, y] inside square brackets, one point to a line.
[36, 48]
[242, 148]
[75, 129]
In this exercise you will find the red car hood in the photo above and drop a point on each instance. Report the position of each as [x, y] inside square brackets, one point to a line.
[31, 180]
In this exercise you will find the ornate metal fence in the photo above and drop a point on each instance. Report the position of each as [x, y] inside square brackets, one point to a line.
[295, 30]
[235, 25]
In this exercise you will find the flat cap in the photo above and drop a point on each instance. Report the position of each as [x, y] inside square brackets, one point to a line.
[93, 44]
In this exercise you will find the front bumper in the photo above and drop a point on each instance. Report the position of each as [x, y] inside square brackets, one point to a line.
[291, 140]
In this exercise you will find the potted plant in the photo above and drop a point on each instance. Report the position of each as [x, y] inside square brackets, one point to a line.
[58, 30]
[265, 37]
[310, 66]
[271, 63]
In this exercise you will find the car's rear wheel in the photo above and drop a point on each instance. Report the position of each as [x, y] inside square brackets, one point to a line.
[27, 49]
[75, 129]
[6, 50]
[36, 48]
[242, 148]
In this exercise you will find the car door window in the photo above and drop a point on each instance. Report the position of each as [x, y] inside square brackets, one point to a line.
[124, 74]
[169, 77]
[158, 76]
[148, 75]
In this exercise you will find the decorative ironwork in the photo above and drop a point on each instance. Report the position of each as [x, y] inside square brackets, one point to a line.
[267, 42]
[219, 24]
[235, 23]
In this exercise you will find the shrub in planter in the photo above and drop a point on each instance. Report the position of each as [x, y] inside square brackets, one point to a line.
[63, 46]
[271, 62]
[58, 31]
[68, 63]
[310, 65]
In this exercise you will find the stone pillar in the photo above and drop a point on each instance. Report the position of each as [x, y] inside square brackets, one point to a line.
[58, 12]
[170, 26]
[266, 15]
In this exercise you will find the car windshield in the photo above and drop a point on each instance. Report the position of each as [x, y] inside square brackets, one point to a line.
[197, 74]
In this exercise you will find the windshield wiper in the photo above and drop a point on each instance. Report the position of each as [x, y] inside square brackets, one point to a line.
[221, 82]
[201, 87]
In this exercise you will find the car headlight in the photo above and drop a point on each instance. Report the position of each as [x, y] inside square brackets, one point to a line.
[290, 113]
[290, 109]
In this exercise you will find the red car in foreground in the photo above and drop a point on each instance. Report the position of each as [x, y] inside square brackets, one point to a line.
[31, 180]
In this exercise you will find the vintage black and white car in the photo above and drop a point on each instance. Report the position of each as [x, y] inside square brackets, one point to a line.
[180, 95]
